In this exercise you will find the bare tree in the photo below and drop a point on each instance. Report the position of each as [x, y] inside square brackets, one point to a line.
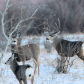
[3, 27]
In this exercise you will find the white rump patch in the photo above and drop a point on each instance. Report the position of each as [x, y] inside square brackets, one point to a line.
[29, 73]
[83, 49]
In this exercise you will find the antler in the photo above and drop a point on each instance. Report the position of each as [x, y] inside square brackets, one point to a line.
[57, 28]
[56, 32]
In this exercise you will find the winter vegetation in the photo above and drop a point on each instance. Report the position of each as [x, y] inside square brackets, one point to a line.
[35, 20]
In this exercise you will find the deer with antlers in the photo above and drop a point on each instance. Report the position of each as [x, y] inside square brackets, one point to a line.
[66, 48]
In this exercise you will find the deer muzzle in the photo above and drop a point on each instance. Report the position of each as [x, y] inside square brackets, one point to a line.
[47, 38]
[5, 62]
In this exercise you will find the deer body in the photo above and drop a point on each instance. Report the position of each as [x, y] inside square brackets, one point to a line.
[26, 52]
[22, 72]
[62, 47]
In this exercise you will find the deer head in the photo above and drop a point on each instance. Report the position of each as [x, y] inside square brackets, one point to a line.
[52, 35]
[14, 41]
[9, 61]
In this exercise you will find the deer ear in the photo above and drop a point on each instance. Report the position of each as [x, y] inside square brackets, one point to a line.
[18, 34]
[57, 33]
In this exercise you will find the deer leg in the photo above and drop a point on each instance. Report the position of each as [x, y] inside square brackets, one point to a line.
[38, 68]
[61, 67]
[37, 63]
[32, 80]
[25, 81]
[20, 81]
[64, 67]
[35, 68]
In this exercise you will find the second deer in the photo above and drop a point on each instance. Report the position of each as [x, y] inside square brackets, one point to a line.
[26, 52]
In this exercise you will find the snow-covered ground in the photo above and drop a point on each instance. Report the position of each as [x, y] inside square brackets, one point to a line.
[47, 69]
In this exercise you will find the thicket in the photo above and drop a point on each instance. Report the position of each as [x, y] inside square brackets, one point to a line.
[69, 12]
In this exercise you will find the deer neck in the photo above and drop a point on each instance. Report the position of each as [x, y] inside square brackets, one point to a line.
[13, 66]
[14, 48]
[56, 42]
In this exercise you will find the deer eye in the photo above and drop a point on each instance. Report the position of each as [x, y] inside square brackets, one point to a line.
[14, 41]
[51, 35]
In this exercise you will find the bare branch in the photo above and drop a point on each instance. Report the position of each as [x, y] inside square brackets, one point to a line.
[18, 25]
[7, 3]
[0, 12]
[12, 4]
[3, 52]
[10, 20]
[35, 11]
[6, 6]
[2, 23]
[25, 20]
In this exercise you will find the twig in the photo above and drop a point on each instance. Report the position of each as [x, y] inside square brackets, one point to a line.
[2, 23]
[10, 20]
[12, 4]
[6, 6]
[0, 12]
[35, 11]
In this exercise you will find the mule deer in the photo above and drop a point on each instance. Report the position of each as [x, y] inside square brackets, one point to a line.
[26, 52]
[22, 72]
[67, 48]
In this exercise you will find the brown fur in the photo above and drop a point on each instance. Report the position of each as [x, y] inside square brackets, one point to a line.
[27, 52]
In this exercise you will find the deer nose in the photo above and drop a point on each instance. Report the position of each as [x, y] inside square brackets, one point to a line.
[5, 62]
[47, 38]
[14, 41]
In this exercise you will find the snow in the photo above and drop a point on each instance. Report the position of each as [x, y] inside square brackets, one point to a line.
[48, 75]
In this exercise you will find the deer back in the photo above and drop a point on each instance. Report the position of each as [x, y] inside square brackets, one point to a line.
[69, 47]
[31, 50]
